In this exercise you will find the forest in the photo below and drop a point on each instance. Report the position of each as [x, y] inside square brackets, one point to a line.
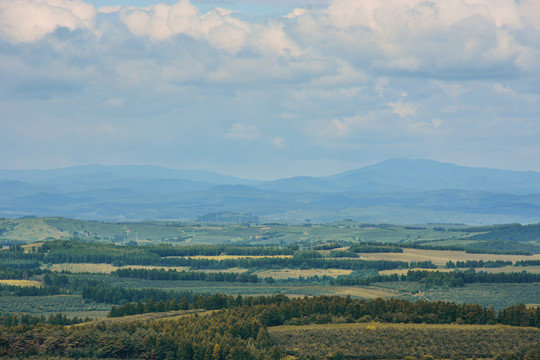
[272, 292]
[240, 330]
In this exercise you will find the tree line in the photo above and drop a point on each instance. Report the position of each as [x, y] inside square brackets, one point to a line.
[477, 264]
[239, 331]
[431, 279]
[69, 251]
[25, 319]
[279, 310]
[172, 274]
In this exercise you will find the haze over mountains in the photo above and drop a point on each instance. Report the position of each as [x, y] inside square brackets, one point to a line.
[396, 190]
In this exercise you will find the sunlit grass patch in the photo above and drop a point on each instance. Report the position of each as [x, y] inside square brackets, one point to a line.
[23, 283]
[82, 268]
[296, 273]
[31, 247]
[104, 268]
[363, 292]
[441, 257]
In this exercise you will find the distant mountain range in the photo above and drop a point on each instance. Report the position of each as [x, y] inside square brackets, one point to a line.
[396, 190]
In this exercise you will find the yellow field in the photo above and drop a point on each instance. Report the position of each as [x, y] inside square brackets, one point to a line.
[28, 247]
[364, 292]
[21, 282]
[504, 269]
[296, 273]
[440, 257]
[229, 257]
[104, 268]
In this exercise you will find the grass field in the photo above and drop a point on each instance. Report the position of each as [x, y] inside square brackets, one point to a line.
[396, 341]
[22, 283]
[503, 269]
[296, 273]
[30, 230]
[31, 247]
[38, 229]
[441, 257]
[103, 268]
[365, 292]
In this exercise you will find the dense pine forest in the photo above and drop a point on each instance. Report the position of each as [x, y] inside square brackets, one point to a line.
[238, 329]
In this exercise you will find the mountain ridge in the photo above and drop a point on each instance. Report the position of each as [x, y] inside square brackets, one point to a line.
[397, 190]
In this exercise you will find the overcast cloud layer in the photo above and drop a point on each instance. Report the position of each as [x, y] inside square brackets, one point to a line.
[283, 88]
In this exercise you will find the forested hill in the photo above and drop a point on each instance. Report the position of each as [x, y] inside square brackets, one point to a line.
[510, 232]
[394, 191]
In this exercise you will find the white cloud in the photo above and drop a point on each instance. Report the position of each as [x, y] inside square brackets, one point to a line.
[501, 89]
[279, 143]
[109, 9]
[240, 131]
[295, 13]
[426, 37]
[30, 20]
[272, 39]
[161, 22]
[338, 76]
[403, 109]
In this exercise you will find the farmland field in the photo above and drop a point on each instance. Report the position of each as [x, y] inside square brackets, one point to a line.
[396, 341]
[296, 273]
[492, 270]
[102, 268]
[22, 283]
[440, 257]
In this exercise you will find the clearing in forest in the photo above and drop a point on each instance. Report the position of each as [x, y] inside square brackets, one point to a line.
[296, 273]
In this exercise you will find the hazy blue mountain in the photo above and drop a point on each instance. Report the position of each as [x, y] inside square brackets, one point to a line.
[397, 190]
[101, 172]
[299, 184]
[421, 175]
[13, 188]
[406, 175]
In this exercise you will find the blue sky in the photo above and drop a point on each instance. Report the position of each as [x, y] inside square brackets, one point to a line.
[267, 89]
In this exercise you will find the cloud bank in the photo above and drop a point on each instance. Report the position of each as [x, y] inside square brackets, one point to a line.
[347, 81]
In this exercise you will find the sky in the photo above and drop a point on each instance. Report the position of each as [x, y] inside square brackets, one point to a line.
[265, 89]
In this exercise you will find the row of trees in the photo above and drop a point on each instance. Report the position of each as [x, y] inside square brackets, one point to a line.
[172, 274]
[365, 247]
[279, 310]
[69, 251]
[214, 250]
[25, 319]
[14, 290]
[119, 295]
[452, 279]
[477, 264]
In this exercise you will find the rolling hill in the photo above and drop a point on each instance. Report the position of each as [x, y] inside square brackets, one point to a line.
[396, 190]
